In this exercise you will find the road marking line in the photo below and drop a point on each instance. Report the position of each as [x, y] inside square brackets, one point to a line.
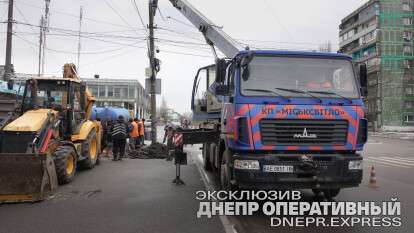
[385, 163]
[225, 221]
[406, 158]
[407, 162]
[388, 160]
[200, 158]
[375, 143]
[208, 179]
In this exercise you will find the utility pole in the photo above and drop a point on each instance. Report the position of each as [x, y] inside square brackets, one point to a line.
[153, 5]
[8, 69]
[46, 23]
[40, 46]
[79, 38]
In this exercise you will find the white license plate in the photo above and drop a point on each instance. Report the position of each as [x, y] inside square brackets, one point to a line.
[278, 168]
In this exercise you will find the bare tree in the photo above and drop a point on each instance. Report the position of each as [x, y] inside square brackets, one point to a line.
[163, 111]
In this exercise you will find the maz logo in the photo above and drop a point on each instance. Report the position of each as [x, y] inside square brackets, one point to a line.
[305, 134]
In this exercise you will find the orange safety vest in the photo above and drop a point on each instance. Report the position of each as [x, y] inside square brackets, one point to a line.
[141, 129]
[134, 133]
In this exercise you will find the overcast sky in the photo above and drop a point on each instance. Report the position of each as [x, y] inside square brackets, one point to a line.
[114, 46]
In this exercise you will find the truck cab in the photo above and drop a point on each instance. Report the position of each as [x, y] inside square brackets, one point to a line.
[287, 120]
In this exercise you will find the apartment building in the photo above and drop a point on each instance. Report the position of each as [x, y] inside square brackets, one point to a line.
[380, 34]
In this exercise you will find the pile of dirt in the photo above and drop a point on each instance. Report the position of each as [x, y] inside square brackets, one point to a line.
[153, 151]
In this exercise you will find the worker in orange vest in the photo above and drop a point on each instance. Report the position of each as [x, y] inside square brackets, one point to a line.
[133, 134]
[140, 126]
[143, 131]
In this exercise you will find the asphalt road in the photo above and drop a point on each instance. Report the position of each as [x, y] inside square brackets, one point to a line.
[132, 196]
[137, 196]
[129, 196]
[393, 161]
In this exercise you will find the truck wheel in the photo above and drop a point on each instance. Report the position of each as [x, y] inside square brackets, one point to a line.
[225, 172]
[90, 150]
[206, 159]
[65, 164]
[213, 158]
[331, 193]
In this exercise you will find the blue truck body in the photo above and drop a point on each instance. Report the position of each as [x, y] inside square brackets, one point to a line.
[288, 141]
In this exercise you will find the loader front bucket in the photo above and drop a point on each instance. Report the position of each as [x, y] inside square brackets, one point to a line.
[26, 177]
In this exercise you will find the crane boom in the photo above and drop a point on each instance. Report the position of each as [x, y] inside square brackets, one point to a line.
[213, 34]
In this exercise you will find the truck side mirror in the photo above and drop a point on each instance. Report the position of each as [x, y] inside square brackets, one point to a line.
[221, 89]
[221, 66]
[363, 79]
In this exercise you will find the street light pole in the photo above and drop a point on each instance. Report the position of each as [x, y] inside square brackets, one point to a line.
[153, 4]
[8, 66]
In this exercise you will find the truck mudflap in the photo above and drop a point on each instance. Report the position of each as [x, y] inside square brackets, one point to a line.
[26, 177]
[299, 172]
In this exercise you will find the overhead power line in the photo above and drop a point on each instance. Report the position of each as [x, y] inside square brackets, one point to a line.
[77, 16]
[31, 45]
[58, 29]
[143, 24]
[134, 45]
[140, 16]
[162, 16]
[75, 53]
[118, 14]
[174, 43]
[88, 35]
[273, 14]
[197, 36]
[181, 22]
[106, 36]
[168, 43]
[24, 17]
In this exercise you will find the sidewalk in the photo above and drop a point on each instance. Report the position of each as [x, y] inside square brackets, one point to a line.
[132, 195]
[393, 135]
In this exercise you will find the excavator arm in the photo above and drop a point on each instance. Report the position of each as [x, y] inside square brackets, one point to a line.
[70, 72]
[90, 100]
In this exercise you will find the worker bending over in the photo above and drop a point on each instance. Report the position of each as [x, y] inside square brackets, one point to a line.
[169, 133]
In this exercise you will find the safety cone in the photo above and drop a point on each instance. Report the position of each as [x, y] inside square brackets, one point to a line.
[373, 179]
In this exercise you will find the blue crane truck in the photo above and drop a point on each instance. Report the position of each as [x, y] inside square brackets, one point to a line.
[273, 119]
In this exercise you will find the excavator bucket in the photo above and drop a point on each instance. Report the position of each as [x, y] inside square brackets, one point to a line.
[26, 177]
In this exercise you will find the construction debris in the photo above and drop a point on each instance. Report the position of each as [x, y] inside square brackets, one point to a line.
[154, 151]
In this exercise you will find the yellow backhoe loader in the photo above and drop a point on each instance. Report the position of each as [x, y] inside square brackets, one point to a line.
[51, 136]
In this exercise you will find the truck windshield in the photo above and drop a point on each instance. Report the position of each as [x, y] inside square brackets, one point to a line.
[48, 94]
[313, 75]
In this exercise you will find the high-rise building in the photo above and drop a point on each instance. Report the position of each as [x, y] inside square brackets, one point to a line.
[380, 34]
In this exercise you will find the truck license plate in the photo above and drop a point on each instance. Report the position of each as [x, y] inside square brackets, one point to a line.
[278, 168]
